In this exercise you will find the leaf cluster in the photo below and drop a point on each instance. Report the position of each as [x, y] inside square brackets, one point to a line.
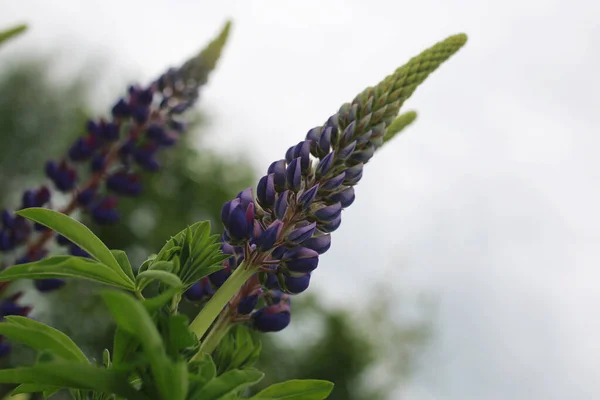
[153, 345]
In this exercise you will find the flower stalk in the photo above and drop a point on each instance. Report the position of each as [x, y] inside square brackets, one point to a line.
[211, 310]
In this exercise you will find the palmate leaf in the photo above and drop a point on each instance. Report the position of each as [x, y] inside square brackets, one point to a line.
[198, 251]
[77, 233]
[174, 244]
[205, 256]
[41, 337]
[67, 267]
[296, 390]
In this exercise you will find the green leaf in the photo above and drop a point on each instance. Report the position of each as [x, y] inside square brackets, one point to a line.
[77, 233]
[73, 375]
[296, 390]
[154, 304]
[46, 356]
[236, 350]
[229, 383]
[41, 337]
[162, 266]
[67, 267]
[205, 367]
[106, 358]
[177, 373]
[133, 318]
[144, 278]
[186, 248]
[204, 371]
[147, 263]
[123, 346]
[205, 256]
[12, 32]
[34, 388]
[123, 261]
[180, 336]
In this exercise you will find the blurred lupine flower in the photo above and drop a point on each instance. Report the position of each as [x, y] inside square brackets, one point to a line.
[299, 202]
[48, 285]
[9, 306]
[199, 290]
[107, 160]
[5, 348]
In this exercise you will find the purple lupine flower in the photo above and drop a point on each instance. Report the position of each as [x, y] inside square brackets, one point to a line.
[296, 284]
[5, 348]
[104, 211]
[300, 260]
[265, 240]
[77, 251]
[199, 290]
[63, 175]
[124, 183]
[320, 244]
[248, 303]
[301, 234]
[307, 191]
[218, 278]
[49, 284]
[272, 318]
[238, 217]
[9, 306]
[62, 241]
[112, 152]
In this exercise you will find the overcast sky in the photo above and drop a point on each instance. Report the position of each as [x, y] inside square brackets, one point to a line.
[490, 201]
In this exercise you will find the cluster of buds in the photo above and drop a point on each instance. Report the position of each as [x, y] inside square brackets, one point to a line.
[299, 202]
[107, 160]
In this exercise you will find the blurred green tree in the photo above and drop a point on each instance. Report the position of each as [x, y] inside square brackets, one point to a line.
[39, 118]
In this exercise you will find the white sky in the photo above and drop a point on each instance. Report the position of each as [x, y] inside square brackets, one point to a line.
[489, 201]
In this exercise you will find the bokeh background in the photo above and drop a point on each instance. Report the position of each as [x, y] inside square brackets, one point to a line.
[475, 232]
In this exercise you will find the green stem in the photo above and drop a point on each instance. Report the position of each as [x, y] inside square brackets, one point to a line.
[212, 340]
[211, 310]
[175, 304]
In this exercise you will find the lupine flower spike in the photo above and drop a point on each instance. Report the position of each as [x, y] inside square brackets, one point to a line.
[113, 152]
[106, 162]
[299, 202]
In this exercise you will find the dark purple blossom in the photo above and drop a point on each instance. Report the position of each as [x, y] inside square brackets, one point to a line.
[272, 318]
[48, 285]
[199, 290]
[296, 284]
